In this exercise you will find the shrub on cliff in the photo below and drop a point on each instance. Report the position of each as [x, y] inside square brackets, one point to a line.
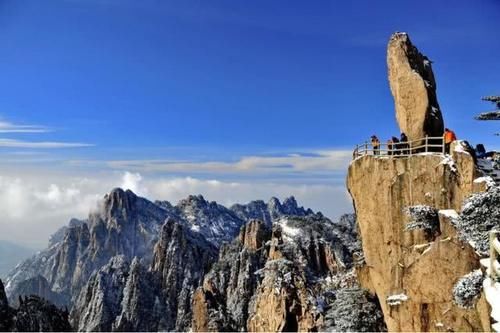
[480, 214]
[355, 310]
[468, 289]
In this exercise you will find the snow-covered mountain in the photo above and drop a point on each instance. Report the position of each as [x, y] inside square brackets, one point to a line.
[129, 225]
[136, 265]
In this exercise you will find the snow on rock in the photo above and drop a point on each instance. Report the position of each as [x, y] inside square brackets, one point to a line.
[492, 292]
[459, 147]
[487, 179]
[468, 289]
[490, 166]
[449, 213]
[288, 230]
[396, 299]
[448, 160]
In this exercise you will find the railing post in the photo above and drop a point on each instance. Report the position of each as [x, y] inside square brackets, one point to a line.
[366, 148]
[443, 145]
[426, 143]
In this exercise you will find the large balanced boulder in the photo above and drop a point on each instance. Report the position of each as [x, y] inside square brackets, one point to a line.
[414, 89]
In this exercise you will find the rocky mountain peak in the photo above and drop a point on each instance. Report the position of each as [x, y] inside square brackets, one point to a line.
[119, 202]
[413, 86]
[193, 201]
[254, 234]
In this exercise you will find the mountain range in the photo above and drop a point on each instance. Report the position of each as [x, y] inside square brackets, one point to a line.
[139, 265]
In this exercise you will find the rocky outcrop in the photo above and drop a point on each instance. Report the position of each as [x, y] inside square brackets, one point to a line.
[414, 89]
[98, 305]
[124, 225]
[136, 265]
[287, 283]
[222, 304]
[129, 225]
[33, 314]
[412, 271]
[143, 305]
[130, 297]
[39, 286]
[181, 259]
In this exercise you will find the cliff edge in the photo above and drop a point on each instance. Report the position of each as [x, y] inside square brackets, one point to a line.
[413, 271]
[405, 207]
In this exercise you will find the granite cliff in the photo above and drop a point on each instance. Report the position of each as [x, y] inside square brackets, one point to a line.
[409, 208]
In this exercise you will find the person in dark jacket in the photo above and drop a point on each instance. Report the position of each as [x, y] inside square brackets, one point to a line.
[404, 144]
[376, 145]
[395, 145]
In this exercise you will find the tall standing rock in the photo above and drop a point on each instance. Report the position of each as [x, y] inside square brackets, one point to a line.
[414, 89]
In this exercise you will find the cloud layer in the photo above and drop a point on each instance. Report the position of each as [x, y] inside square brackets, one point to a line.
[34, 207]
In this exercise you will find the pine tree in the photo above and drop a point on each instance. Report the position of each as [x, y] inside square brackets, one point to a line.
[491, 115]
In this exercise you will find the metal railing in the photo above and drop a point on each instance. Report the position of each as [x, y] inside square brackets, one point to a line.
[402, 149]
[494, 253]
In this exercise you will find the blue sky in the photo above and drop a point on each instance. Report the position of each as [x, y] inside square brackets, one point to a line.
[260, 92]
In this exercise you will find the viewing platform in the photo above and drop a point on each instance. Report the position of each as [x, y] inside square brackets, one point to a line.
[402, 149]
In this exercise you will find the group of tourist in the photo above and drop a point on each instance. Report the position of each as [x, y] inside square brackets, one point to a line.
[395, 146]
[400, 146]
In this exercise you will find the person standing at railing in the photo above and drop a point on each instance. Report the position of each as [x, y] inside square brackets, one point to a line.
[376, 145]
[395, 145]
[404, 144]
[389, 147]
[449, 137]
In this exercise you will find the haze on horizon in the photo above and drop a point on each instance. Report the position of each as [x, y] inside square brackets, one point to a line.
[233, 100]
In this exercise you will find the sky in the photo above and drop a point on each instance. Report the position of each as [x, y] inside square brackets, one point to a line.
[235, 100]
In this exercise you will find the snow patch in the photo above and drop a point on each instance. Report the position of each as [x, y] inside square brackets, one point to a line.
[396, 299]
[459, 147]
[448, 160]
[449, 213]
[492, 292]
[288, 230]
[487, 179]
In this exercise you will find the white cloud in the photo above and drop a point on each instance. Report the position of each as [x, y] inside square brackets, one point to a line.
[316, 162]
[13, 143]
[132, 181]
[7, 127]
[35, 205]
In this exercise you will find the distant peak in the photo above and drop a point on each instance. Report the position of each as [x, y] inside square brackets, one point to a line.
[193, 200]
[290, 202]
[274, 201]
[119, 192]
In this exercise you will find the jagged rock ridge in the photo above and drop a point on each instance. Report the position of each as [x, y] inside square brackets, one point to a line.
[129, 225]
[125, 269]
[281, 278]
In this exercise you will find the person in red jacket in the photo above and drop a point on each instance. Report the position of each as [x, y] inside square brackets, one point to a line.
[449, 137]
